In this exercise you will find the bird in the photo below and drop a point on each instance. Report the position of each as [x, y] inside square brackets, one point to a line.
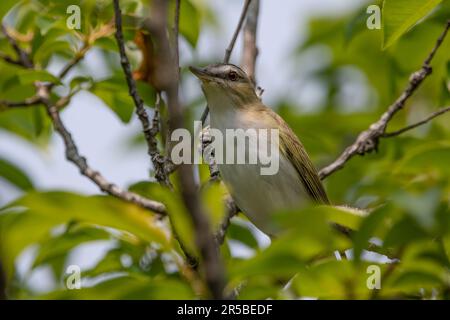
[234, 104]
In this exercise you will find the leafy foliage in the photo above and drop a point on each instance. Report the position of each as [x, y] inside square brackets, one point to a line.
[405, 185]
[399, 16]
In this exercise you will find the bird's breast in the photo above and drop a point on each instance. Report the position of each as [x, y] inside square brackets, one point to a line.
[257, 195]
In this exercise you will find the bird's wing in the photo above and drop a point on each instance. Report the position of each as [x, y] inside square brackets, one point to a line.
[292, 148]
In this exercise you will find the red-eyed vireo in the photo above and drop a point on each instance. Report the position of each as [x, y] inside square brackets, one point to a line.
[234, 104]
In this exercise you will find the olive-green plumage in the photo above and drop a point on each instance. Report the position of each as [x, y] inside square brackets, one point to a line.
[296, 153]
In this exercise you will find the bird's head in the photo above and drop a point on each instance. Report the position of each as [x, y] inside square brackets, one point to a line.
[226, 80]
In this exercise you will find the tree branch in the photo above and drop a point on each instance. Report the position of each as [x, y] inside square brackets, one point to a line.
[230, 47]
[417, 124]
[176, 31]
[23, 57]
[368, 140]
[232, 210]
[168, 71]
[74, 156]
[150, 130]
[250, 51]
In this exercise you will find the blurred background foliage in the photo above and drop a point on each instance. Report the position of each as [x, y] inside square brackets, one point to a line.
[406, 183]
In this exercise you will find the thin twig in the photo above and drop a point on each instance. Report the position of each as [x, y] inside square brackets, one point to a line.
[157, 159]
[88, 40]
[63, 101]
[368, 140]
[232, 210]
[24, 58]
[417, 124]
[169, 65]
[230, 47]
[156, 115]
[9, 59]
[75, 60]
[32, 101]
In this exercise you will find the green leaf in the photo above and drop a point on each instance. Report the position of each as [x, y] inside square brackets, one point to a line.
[191, 15]
[429, 157]
[147, 93]
[179, 216]
[422, 270]
[40, 211]
[114, 93]
[190, 19]
[29, 77]
[355, 25]
[422, 207]
[366, 231]
[279, 260]
[333, 280]
[111, 262]
[45, 24]
[18, 231]
[404, 231]
[101, 210]
[31, 124]
[80, 81]
[307, 236]
[258, 288]
[416, 280]
[400, 15]
[107, 43]
[241, 233]
[54, 39]
[13, 174]
[213, 198]
[346, 216]
[56, 247]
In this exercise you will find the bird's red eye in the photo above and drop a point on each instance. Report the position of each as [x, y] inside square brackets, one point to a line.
[232, 76]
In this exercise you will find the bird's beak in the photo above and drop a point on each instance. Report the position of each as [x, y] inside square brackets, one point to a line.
[201, 73]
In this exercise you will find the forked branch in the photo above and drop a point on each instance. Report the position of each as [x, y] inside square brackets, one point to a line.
[368, 140]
